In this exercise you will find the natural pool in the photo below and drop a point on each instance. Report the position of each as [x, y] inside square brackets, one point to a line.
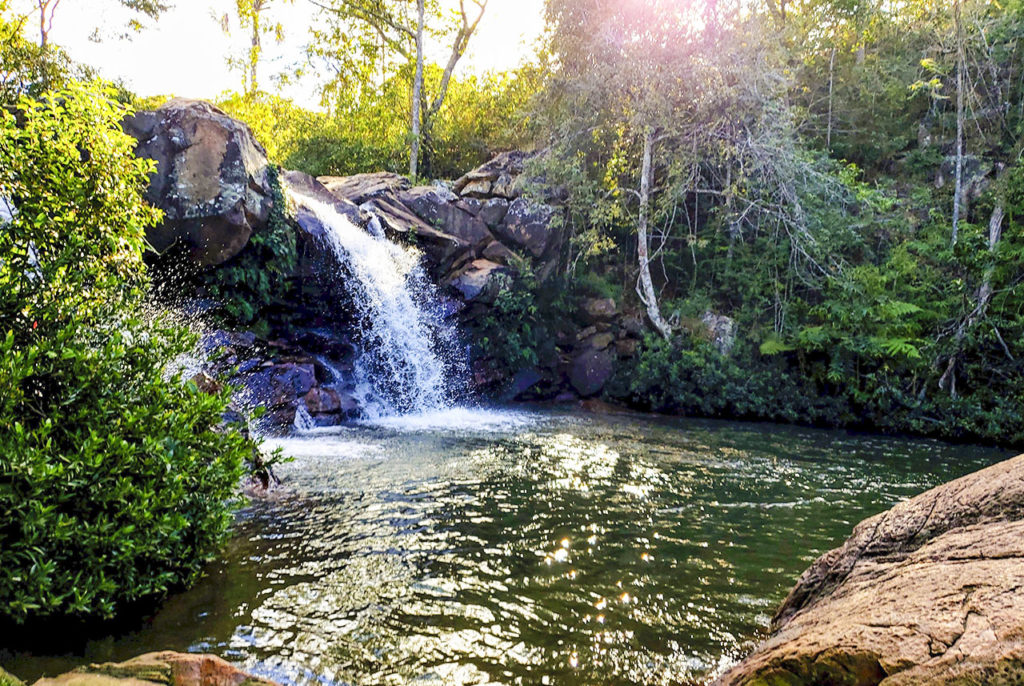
[527, 547]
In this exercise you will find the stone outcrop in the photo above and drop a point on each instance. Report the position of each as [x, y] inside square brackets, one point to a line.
[163, 668]
[211, 180]
[482, 216]
[283, 376]
[929, 592]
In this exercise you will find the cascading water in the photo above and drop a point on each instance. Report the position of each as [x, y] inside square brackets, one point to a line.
[408, 358]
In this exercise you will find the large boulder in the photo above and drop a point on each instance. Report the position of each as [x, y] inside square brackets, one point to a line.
[211, 179]
[164, 668]
[527, 225]
[928, 592]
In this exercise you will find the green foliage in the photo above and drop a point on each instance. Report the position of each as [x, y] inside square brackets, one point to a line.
[519, 330]
[257, 280]
[480, 115]
[113, 480]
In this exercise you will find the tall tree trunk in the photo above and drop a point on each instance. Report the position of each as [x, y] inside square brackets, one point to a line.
[831, 82]
[645, 287]
[417, 92]
[958, 186]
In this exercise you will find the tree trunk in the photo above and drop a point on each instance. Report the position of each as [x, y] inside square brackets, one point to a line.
[417, 92]
[831, 82]
[958, 186]
[645, 287]
[995, 233]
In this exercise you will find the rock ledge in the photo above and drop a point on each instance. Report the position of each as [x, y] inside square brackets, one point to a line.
[929, 592]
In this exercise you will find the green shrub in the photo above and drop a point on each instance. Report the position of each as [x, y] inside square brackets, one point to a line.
[114, 482]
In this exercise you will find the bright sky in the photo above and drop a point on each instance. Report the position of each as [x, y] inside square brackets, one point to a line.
[184, 53]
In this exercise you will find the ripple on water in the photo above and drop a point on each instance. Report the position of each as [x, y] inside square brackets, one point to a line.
[520, 548]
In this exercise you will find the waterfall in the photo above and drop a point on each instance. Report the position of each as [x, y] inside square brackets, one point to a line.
[408, 357]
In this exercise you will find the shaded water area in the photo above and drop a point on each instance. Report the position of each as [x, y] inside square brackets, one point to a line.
[528, 548]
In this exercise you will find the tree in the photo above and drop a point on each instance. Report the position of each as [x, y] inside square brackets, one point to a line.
[116, 473]
[48, 8]
[252, 15]
[394, 34]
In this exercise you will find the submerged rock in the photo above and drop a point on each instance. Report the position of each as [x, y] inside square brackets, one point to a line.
[211, 179]
[164, 668]
[928, 592]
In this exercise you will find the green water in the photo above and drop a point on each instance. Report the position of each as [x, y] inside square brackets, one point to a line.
[527, 548]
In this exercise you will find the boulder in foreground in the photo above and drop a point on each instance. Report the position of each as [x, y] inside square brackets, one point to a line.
[166, 668]
[929, 592]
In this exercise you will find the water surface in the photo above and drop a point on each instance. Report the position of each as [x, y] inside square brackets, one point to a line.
[527, 548]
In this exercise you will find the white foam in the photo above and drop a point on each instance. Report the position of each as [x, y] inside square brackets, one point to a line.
[455, 419]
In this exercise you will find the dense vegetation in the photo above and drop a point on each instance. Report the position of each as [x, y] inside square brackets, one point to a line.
[812, 175]
[115, 480]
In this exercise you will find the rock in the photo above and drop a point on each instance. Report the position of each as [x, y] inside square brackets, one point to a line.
[599, 341]
[322, 401]
[599, 309]
[300, 186]
[493, 211]
[523, 381]
[591, 371]
[479, 281]
[480, 188]
[432, 206]
[211, 179]
[510, 164]
[360, 188]
[470, 205]
[497, 252]
[505, 187]
[925, 593]
[164, 668]
[281, 384]
[632, 325]
[527, 225]
[627, 347]
[722, 330]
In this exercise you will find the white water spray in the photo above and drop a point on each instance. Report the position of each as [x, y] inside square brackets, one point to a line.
[407, 354]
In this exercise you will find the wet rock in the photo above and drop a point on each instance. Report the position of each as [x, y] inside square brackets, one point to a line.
[522, 382]
[211, 179]
[590, 371]
[300, 186]
[322, 401]
[164, 668]
[925, 593]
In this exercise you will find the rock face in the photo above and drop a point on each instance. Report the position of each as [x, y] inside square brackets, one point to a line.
[211, 179]
[164, 668]
[928, 592]
[481, 217]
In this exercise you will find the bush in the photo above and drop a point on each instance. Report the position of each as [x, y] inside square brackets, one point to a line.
[114, 482]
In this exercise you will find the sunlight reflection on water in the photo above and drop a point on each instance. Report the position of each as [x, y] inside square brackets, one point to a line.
[527, 548]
